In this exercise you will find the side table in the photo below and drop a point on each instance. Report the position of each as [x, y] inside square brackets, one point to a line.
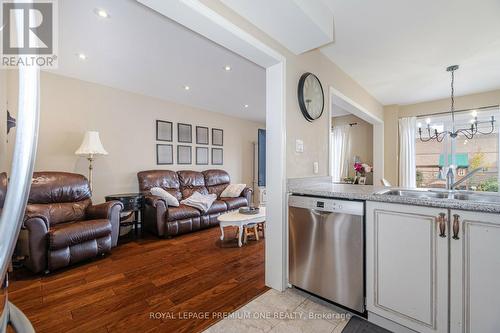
[133, 203]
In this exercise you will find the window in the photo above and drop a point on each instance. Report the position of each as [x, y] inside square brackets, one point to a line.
[434, 158]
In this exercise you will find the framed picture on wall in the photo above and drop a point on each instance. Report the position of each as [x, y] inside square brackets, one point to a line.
[184, 155]
[164, 154]
[217, 156]
[164, 131]
[184, 133]
[201, 135]
[217, 137]
[202, 155]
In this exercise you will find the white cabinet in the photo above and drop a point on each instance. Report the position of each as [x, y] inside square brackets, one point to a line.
[475, 272]
[407, 265]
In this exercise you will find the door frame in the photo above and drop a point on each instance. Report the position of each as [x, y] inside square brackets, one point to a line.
[202, 19]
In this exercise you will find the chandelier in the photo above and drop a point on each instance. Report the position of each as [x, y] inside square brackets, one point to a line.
[468, 132]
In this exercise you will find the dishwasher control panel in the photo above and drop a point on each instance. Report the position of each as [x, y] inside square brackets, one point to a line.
[327, 205]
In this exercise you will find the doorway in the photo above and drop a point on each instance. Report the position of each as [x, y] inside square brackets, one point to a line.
[209, 23]
[364, 136]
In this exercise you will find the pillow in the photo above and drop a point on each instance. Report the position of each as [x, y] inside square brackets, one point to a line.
[169, 198]
[199, 201]
[233, 190]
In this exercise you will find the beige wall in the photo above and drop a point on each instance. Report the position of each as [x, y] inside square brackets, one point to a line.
[393, 112]
[361, 137]
[316, 134]
[126, 123]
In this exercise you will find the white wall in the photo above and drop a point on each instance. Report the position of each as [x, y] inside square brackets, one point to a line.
[126, 122]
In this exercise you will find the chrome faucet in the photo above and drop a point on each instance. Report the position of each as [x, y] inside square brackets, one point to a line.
[451, 184]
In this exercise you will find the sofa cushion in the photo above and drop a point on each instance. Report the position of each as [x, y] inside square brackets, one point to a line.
[58, 187]
[218, 206]
[70, 234]
[60, 212]
[165, 179]
[235, 203]
[166, 196]
[216, 181]
[233, 190]
[190, 182]
[181, 213]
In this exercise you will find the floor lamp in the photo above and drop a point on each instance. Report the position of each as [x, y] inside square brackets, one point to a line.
[90, 147]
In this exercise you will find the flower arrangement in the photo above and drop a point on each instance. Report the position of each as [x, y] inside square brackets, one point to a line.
[362, 168]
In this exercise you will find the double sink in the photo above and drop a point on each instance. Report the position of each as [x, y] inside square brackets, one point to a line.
[443, 194]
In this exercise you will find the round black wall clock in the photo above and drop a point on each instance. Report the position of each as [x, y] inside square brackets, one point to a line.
[311, 97]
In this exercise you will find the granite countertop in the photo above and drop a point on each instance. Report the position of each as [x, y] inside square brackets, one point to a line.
[326, 188]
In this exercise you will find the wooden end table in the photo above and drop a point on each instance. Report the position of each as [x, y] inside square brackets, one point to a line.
[236, 219]
[132, 203]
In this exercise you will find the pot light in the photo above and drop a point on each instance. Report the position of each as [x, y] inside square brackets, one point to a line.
[186, 88]
[82, 56]
[246, 106]
[227, 68]
[101, 13]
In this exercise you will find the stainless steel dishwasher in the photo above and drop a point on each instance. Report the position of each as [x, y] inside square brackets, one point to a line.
[326, 249]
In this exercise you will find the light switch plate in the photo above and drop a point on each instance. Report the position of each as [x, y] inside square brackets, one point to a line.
[316, 167]
[299, 146]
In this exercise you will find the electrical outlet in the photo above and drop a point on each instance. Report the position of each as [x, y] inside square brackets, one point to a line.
[316, 167]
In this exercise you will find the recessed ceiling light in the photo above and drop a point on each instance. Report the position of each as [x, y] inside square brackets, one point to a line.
[246, 106]
[82, 56]
[227, 68]
[186, 88]
[101, 13]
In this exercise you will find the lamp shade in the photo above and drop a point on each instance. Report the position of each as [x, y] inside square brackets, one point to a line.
[91, 145]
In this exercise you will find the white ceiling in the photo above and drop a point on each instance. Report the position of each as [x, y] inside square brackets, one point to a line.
[398, 50]
[299, 25]
[141, 51]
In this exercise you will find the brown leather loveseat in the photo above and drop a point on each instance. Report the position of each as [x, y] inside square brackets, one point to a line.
[171, 221]
[63, 225]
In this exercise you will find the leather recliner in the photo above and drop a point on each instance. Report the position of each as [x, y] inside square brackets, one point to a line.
[172, 221]
[63, 226]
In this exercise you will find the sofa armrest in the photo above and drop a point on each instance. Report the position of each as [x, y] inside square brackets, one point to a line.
[155, 201]
[247, 194]
[38, 228]
[109, 210]
[155, 210]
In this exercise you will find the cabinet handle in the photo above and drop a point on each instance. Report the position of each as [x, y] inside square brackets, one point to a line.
[456, 226]
[441, 220]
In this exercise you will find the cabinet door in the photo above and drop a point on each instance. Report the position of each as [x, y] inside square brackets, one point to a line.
[407, 265]
[475, 273]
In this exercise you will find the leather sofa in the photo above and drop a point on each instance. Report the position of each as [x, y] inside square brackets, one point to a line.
[171, 221]
[63, 226]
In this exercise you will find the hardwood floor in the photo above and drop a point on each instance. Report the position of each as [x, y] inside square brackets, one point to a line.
[170, 280]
